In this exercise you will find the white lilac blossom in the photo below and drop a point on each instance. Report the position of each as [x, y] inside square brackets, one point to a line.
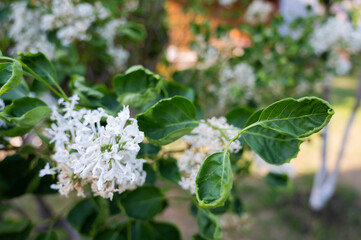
[119, 54]
[341, 64]
[92, 147]
[258, 11]
[204, 141]
[264, 167]
[234, 81]
[72, 21]
[340, 39]
[332, 34]
[226, 3]
[207, 54]
[28, 37]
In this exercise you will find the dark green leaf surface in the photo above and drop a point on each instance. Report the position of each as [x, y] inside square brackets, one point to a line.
[143, 203]
[137, 87]
[41, 65]
[214, 180]
[168, 169]
[274, 147]
[11, 74]
[147, 150]
[239, 116]
[168, 120]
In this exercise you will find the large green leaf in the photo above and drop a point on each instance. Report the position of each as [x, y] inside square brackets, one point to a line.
[168, 120]
[137, 87]
[11, 75]
[275, 132]
[209, 227]
[143, 203]
[297, 117]
[89, 215]
[41, 65]
[214, 180]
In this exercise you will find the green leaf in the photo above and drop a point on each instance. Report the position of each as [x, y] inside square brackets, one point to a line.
[51, 235]
[209, 227]
[143, 203]
[151, 174]
[168, 120]
[297, 117]
[168, 169]
[137, 87]
[148, 150]
[41, 65]
[275, 133]
[18, 229]
[89, 215]
[239, 116]
[22, 90]
[276, 180]
[11, 74]
[25, 112]
[214, 180]
[172, 89]
[79, 87]
[22, 115]
[273, 147]
[165, 231]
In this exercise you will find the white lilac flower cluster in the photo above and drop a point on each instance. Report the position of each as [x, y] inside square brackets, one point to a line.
[204, 141]
[340, 39]
[258, 11]
[90, 152]
[119, 54]
[72, 21]
[26, 32]
[207, 54]
[234, 81]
